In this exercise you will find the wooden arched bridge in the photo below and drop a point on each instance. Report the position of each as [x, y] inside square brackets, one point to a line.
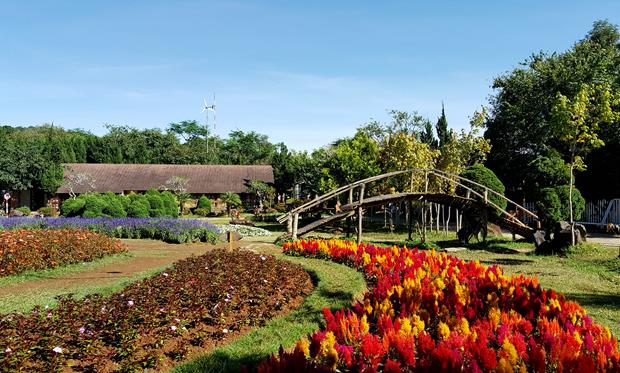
[426, 185]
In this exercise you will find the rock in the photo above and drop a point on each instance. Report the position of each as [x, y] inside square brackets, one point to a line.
[540, 237]
[454, 249]
[17, 213]
[562, 234]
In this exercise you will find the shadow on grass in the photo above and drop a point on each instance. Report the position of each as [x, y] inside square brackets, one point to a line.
[610, 301]
[507, 261]
[497, 246]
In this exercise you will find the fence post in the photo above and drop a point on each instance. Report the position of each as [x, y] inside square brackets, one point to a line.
[486, 195]
[425, 181]
[289, 224]
[349, 218]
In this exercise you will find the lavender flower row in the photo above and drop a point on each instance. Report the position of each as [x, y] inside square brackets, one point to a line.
[165, 229]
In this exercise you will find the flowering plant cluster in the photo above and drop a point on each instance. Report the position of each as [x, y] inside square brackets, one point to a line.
[243, 230]
[165, 229]
[32, 249]
[154, 322]
[431, 312]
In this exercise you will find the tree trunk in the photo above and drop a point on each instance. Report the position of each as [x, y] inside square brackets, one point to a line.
[570, 201]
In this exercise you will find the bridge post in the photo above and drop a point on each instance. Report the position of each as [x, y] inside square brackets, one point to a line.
[359, 215]
[486, 196]
[349, 218]
[425, 181]
[410, 222]
[289, 224]
[295, 222]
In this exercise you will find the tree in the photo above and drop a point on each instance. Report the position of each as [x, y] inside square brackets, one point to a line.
[521, 127]
[79, 180]
[264, 193]
[443, 133]
[577, 122]
[231, 200]
[486, 177]
[52, 177]
[188, 129]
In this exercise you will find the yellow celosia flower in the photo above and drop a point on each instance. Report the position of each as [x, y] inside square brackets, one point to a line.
[577, 337]
[503, 366]
[327, 350]
[405, 327]
[304, 346]
[364, 327]
[494, 317]
[418, 325]
[510, 352]
[443, 331]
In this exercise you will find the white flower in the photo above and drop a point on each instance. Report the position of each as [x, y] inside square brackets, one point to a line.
[177, 319]
[8, 350]
[130, 303]
[263, 257]
[174, 328]
[57, 350]
[225, 331]
[82, 330]
[49, 315]
[165, 274]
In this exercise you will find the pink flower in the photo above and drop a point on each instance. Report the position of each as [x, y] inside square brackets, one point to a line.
[57, 350]
[173, 328]
[8, 350]
[82, 330]
[130, 303]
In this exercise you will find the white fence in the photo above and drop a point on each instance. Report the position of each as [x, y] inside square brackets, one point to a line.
[602, 212]
[596, 212]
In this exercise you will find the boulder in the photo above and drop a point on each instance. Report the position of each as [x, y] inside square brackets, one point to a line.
[562, 234]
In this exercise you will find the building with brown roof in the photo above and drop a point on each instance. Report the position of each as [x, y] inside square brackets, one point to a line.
[210, 180]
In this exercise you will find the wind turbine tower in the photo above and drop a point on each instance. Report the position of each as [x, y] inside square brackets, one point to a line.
[205, 109]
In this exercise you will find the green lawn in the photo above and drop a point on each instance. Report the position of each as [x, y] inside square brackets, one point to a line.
[335, 287]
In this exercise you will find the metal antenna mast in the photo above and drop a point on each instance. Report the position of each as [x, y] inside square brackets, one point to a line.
[205, 109]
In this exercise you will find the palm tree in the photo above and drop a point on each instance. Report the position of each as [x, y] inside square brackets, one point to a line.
[231, 200]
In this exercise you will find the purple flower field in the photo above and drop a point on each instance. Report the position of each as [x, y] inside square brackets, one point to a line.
[165, 229]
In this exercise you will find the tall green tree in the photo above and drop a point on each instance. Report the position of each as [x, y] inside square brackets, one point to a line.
[520, 126]
[577, 122]
[443, 133]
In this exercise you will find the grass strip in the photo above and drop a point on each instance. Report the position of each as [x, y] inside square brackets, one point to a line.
[335, 287]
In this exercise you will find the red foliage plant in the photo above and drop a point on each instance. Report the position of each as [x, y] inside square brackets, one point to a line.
[35, 249]
[430, 312]
[154, 322]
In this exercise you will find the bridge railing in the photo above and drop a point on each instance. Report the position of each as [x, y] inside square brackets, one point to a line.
[458, 181]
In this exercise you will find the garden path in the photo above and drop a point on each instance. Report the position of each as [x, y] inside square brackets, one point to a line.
[146, 256]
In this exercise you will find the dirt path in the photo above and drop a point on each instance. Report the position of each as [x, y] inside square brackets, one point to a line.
[146, 255]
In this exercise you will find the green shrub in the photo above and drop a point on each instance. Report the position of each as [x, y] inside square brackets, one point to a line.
[202, 211]
[94, 205]
[486, 177]
[24, 209]
[579, 203]
[138, 209]
[171, 205]
[156, 203]
[552, 204]
[47, 211]
[113, 205]
[73, 207]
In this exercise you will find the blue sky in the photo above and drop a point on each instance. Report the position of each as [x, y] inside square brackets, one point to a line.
[304, 73]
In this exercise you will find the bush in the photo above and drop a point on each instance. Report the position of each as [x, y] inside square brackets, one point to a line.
[202, 211]
[486, 177]
[24, 210]
[156, 203]
[138, 209]
[171, 205]
[47, 211]
[114, 205]
[204, 202]
[73, 207]
[94, 205]
[552, 204]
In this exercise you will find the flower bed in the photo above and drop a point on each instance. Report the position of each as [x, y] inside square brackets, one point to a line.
[151, 323]
[35, 249]
[165, 229]
[244, 230]
[432, 312]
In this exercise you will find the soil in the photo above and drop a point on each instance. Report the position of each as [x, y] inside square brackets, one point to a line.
[148, 254]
